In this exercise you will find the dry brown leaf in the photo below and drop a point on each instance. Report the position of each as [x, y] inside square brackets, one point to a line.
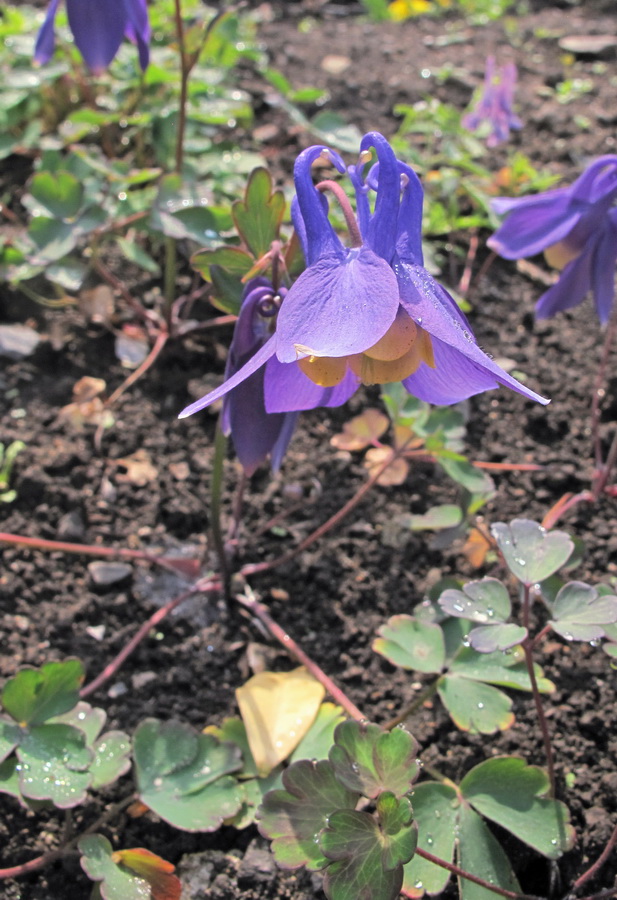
[139, 469]
[361, 431]
[277, 709]
[395, 474]
[476, 547]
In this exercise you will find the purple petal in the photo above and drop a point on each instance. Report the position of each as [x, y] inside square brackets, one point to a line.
[337, 307]
[98, 29]
[409, 225]
[533, 223]
[603, 278]
[44, 48]
[453, 379]
[381, 230]
[254, 432]
[287, 388]
[598, 180]
[432, 307]
[320, 237]
[573, 285]
[254, 363]
[138, 29]
[280, 447]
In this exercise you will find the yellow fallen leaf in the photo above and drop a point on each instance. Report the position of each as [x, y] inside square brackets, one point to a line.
[277, 709]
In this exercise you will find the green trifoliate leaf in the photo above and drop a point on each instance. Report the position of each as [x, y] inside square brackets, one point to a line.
[482, 601]
[112, 759]
[34, 695]
[436, 813]
[412, 644]
[89, 719]
[259, 216]
[182, 775]
[368, 854]
[504, 669]
[60, 195]
[371, 761]
[318, 740]
[530, 551]
[446, 515]
[293, 818]
[580, 612]
[488, 638]
[10, 735]
[474, 706]
[480, 854]
[9, 777]
[54, 765]
[466, 474]
[116, 883]
[511, 793]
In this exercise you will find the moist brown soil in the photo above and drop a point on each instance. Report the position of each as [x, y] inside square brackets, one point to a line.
[333, 597]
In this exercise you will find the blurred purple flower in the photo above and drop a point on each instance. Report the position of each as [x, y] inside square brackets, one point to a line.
[370, 313]
[495, 104]
[254, 432]
[98, 26]
[576, 227]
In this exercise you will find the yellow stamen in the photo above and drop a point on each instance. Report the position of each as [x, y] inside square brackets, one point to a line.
[377, 371]
[560, 254]
[326, 371]
[398, 339]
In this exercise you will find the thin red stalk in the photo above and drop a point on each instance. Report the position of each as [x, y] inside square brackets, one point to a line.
[566, 503]
[461, 873]
[592, 870]
[184, 79]
[597, 388]
[33, 865]
[161, 339]
[256, 568]
[463, 285]
[200, 587]
[528, 649]
[263, 614]
[86, 549]
[343, 201]
[605, 471]
[151, 318]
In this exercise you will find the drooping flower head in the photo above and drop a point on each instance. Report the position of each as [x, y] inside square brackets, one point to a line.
[495, 104]
[99, 27]
[255, 433]
[369, 312]
[576, 228]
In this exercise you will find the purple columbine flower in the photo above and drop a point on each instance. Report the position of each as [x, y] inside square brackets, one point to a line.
[254, 432]
[576, 228]
[495, 104]
[368, 313]
[98, 26]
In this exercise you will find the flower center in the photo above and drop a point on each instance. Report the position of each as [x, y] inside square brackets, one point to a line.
[394, 357]
[560, 254]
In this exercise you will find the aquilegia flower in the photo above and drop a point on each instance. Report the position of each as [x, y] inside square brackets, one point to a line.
[495, 104]
[576, 227]
[368, 313]
[254, 432]
[98, 26]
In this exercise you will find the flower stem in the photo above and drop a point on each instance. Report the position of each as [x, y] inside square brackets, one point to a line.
[206, 585]
[527, 646]
[249, 602]
[598, 393]
[216, 491]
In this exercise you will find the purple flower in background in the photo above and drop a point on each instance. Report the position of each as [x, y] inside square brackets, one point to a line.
[99, 27]
[369, 313]
[576, 227]
[254, 432]
[495, 104]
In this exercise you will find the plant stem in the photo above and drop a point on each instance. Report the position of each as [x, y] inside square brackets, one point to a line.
[89, 550]
[257, 568]
[161, 340]
[422, 697]
[216, 491]
[262, 613]
[206, 585]
[527, 646]
[461, 873]
[597, 390]
[592, 870]
[185, 70]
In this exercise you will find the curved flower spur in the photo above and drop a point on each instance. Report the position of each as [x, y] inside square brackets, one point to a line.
[369, 313]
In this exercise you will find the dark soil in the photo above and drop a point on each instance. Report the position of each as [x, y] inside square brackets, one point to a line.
[334, 596]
